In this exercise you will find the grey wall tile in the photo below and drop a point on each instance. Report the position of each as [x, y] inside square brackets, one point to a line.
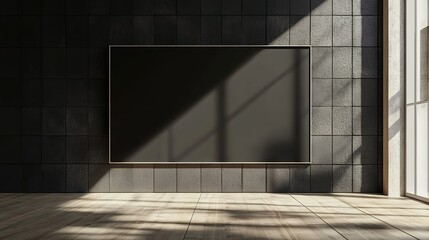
[121, 29]
[231, 29]
[365, 63]
[31, 93]
[342, 150]
[342, 121]
[322, 62]
[211, 178]
[99, 178]
[365, 7]
[53, 178]
[321, 31]
[78, 7]
[98, 63]
[10, 92]
[10, 63]
[77, 63]
[342, 7]
[98, 121]
[365, 92]
[188, 7]
[99, 7]
[99, 31]
[211, 7]
[77, 31]
[299, 30]
[232, 178]
[321, 7]
[53, 62]
[165, 178]
[53, 121]
[143, 7]
[364, 120]
[31, 63]
[188, 29]
[342, 178]
[77, 178]
[189, 178]
[31, 121]
[164, 30]
[299, 179]
[54, 31]
[365, 178]
[231, 7]
[253, 29]
[321, 178]
[322, 121]
[121, 178]
[76, 121]
[342, 63]
[77, 92]
[322, 92]
[54, 92]
[121, 7]
[143, 29]
[322, 149]
[142, 178]
[253, 7]
[254, 178]
[278, 30]
[278, 178]
[365, 150]
[342, 92]
[365, 31]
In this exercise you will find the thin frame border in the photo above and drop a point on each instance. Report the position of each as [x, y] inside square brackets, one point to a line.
[217, 163]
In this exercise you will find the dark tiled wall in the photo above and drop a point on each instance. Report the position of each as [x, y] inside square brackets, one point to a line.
[53, 91]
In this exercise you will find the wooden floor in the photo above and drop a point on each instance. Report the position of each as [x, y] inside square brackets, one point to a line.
[211, 216]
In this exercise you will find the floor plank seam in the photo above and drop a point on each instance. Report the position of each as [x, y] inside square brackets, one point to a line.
[319, 217]
[376, 218]
[190, 220]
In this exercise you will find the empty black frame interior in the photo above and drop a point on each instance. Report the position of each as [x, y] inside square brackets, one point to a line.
[210, 104]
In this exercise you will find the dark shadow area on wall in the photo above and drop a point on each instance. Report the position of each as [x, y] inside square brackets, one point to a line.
[55, 139]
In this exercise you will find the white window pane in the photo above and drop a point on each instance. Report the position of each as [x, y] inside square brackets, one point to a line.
[410, 153]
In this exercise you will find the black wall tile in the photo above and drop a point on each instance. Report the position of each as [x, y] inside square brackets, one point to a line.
[10, 149]
[31, 121]
[165, 30]
[10, 91]
[53, 149]
[98, 62]
[77, 63]
[31, 93]
[10, 121]
[31, 7]
[54, 7]
[121, 7]
[31, 31]
[99, 31]
[10, 178]
[188, 7]
[253, 29]
[121, 30]
[32, 178]
[77, 31]
[98, 149]
[53, 121]
[77, 149]
[10, 63]
[98, 121]
[211, 7]
[165, 7]
[54, 31]
[77, 121]
[53, 62]
[77, 92]
[31, 62]
[254, 7]
[278, 7]
[78, 7]
[188, 30]
[143, 30]
[231, 7]
[300, 7]
[77, 178]
[231, 30]
[54, 91]
[143, 7]
[98, 92]
[53, 178]
[31, 149]
[99, 7]
[10, 7]
[10, 27]
[211, 30]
